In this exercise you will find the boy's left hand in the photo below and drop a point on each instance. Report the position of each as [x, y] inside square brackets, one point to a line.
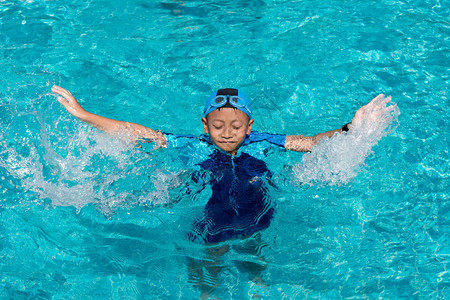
[371, 112]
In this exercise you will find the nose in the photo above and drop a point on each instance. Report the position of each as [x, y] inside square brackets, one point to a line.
[227, 132]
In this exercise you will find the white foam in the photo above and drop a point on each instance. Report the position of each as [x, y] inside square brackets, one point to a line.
[338, 159]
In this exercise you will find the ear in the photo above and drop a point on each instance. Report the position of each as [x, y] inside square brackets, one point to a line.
[205, 125]
[250, 124]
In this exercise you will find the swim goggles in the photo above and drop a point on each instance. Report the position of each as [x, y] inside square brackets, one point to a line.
[240, 102]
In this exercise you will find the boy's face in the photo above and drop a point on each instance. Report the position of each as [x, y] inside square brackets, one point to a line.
[227, 128]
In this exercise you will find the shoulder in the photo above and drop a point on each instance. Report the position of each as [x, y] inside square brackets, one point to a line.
[275, 139]
[178, 140]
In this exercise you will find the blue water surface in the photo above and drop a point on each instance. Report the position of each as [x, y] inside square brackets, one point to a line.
[84, 215]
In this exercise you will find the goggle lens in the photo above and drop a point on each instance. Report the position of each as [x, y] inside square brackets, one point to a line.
[220, 100]
[234, 100]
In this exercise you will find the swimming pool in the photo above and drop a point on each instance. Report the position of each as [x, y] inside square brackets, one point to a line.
[84, 215]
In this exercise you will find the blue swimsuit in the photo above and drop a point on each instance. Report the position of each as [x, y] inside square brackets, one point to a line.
[239, 205]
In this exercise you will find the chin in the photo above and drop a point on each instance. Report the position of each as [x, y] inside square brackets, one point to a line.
[229, 149]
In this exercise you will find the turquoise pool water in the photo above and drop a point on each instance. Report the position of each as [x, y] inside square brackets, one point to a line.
[87, 216]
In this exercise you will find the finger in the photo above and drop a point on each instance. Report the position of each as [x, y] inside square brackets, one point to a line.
[66, 94]
[389, 109]
[61, 100]
[383, 103]
[380, 96]
[64, 102]
[378, 99]
[61, 91]
[56, 88]
[382, 112]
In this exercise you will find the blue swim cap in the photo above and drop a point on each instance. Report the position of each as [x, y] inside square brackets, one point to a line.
[228, 98]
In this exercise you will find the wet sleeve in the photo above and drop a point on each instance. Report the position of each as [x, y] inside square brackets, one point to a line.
[199, 178]
[275, 139]
[178, 140]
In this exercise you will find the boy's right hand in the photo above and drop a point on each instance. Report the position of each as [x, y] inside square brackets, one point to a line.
[69, 102]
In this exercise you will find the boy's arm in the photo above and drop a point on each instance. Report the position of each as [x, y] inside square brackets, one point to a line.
[135, 131]
[303, 143]
[369, 112]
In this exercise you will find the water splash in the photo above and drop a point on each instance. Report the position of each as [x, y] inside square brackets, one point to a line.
[67, 163]
[338, 159]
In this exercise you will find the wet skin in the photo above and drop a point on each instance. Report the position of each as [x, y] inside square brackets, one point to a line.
[227, 128]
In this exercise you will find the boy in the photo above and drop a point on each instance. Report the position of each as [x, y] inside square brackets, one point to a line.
[238, 206]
